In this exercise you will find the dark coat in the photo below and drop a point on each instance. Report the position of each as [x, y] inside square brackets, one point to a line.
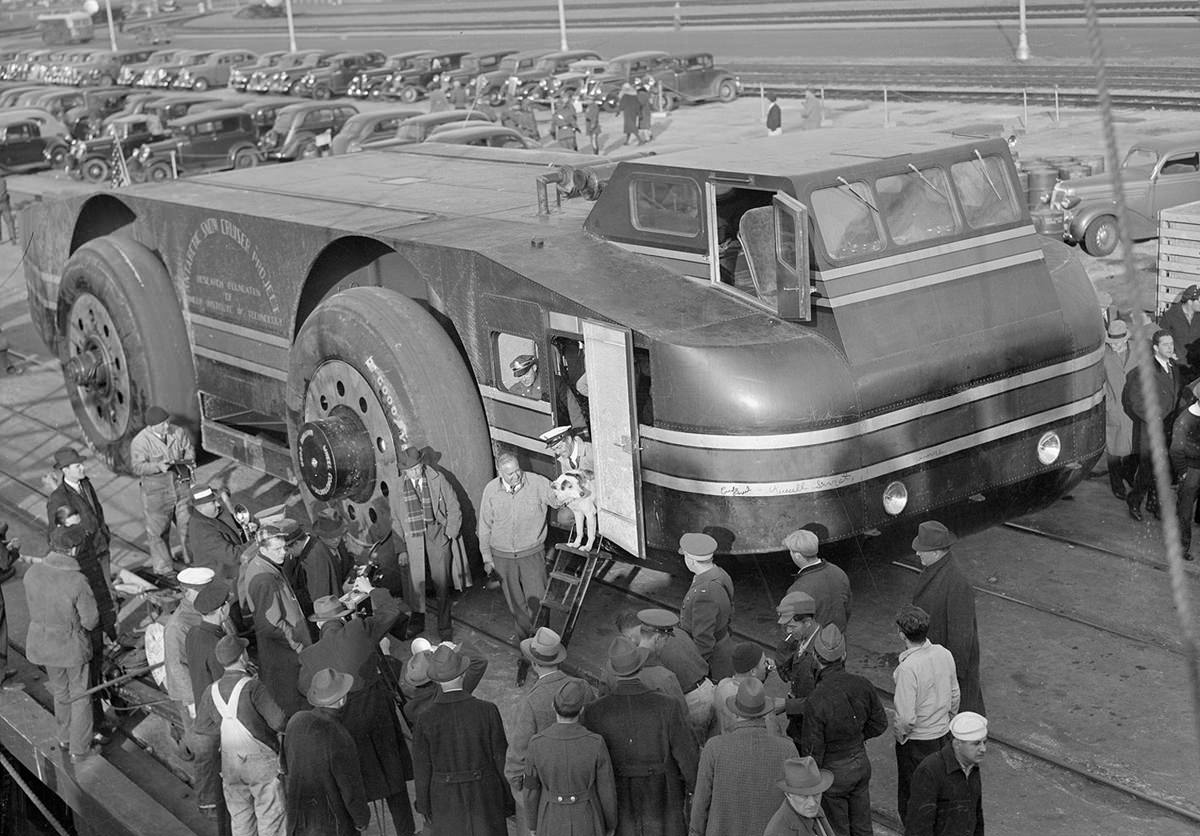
[62, 610]
[1186, 335]
[653, 754]
[370, 714]
[215, 543]
[91, 513]
[840, 715]
[706, 615]
[418, 698]
[97, 578]
[830, 588]
[787, 822]
[534, 714]
[630, 107]
[320, 572]
[944, 592]
[943, 801]
[200, 648]
[1166, 392]
[280, 633]
[736, 785]
[458, 756]
[1185, 441]
[324, 788]
[566, 761]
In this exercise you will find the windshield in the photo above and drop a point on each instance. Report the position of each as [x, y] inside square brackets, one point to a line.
[282, 122]
[470, 64]
[509, 64]
[1139, 157]
[410, 133]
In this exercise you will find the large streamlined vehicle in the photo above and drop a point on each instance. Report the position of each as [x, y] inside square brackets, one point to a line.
[854, 332]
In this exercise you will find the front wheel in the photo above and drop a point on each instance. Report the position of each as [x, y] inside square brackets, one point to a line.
[1100, 239]
[245, 158]
[409, 94]
[95, 170]
[308, 150]
[200, 85]
[727, 91]
[58, 156]
[323, 93]
[158, 172]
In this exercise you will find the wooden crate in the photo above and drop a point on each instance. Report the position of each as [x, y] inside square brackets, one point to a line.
[1178, 253]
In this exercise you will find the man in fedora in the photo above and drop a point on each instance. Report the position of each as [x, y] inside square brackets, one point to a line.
[1118, 427]
[204, 668]
[707, 610]
[330, 527]
[313, 563]
[826, 583]
[801, 813]
[419, 690]
[324, 786]
[535, 713]
[75, 491]
[568, 781]
[795, 661]
[214, 539]
[653, 751]
[433, 520]
[840, 715]
[239, 711]
[947, 596]
[947, 792]
[655, 677]
[175, 662]
[736, 791]
[458, 756]
[349, 643]
[163, 456]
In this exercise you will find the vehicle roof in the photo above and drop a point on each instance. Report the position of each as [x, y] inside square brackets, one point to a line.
[7, 118]
[1168, 142]
[383, 113]
[413, 53]
[564, 53]
[131, 117]
[258, 101]
[204, 116]
[529, 53]
[492, 52]
[469, 132]
[633, 56]
[301, 107]
[215, 53]
[443, 116]
[691, 55]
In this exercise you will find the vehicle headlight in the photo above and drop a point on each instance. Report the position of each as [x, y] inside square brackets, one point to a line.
[1049, 447]
[895, 498]
[143, 153]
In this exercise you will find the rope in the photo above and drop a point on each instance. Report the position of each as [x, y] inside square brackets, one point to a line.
[1142, 331]
[32, 796]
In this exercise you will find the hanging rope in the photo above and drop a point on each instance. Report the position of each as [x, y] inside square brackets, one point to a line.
[1143, 329]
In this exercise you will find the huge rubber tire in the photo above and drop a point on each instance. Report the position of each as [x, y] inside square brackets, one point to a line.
[1100, 238]
[95, 170]
[727, 90]
[200, 85]
[118, 303]
[409, 94]
[384, 357]
[245, 158]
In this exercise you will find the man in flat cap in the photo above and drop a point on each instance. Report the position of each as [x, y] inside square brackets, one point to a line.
[349, 643]
[570, 451]
[458, 756]
[947, 596]
[673, 649]
[707, 610]
[795, 660]
[825, 582]
[947, 792]
[1181, 322]
[801, 814]
[75, 491]
[239, 711]
[736, 792]
[214, 539]
[324, 786]
[163, 455]
[535, 712]
[569, 786]
[432, 524]
[175, 662]
[840, 715]
[527, 384]
[654, 754]
[204, 668]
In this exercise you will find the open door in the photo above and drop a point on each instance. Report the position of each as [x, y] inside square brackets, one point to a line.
[791, 258]
[615, 445]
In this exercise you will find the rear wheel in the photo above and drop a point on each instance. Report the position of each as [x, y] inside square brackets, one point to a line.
[307, 150]
[1100, 239]
[158, 172]
[200, 85]
[123, 344]
[371, 373]
[245, 158]
[323, 93]
[58, 155]
[95, 170]
[727, 90]
[410, 94]
[107, 81]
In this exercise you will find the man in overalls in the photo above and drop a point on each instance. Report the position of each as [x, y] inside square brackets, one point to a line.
[242, 712]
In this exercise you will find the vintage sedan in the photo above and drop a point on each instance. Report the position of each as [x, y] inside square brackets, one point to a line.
[92, 160]
[368, 127]
[1157, 173]
[418, 128]
[487, 136]
[23, 147]
[215, 140]
[694, 77]
[299, 128]
[213, 71]
[334, 79]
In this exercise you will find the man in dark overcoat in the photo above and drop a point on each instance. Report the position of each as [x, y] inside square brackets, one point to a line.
[458, 756]
[320, 569]
[947, 792]
[324, 786]
[825, 582]
[1166, 382]
[707, 610]
[568, 778]
[349, 643]
[944, 592]
[433, 522]
[653, 751]
[76, 492]
[419, 690]
[213, 538]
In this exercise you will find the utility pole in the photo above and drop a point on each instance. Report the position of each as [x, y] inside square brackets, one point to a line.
[287, 4]
[112, 30]
[562, 27]
[1023, 35]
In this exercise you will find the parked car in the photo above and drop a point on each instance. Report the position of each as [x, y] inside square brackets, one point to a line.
[213, 71]
[164, 75]
[547, 67]
[212, 141]
[476, 64]
[263, 111]
[578, 78]
[489, 136]
[286, 78]
[368, 127]
[130, 73]
[260, 11]
[413, 82]
[12, 95]
[418, 128]
[693, 77]
[92, 160]
[174, 106]
[48, 123]
[1157, 173]
[297, 128]
[96, 105]
[625, 68]
[489, 86]
[239, 77]
[137, 102]
[333, 79]
[23, 146]
[103, 68]
[62, 70]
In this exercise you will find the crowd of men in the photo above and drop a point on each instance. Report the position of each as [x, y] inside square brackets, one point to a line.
[678, 737]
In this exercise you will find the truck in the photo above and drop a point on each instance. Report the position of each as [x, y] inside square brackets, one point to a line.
[853, 331]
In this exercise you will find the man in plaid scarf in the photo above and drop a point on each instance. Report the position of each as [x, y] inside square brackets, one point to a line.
[431, 522]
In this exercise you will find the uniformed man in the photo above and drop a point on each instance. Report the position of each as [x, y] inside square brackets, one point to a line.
[674, 649]
[826, 583]
[179, 680]
[164, 457]
[707, 610]
[794, 658]
[527, 384]
[840, 715]
[214, 539]
[570, 451]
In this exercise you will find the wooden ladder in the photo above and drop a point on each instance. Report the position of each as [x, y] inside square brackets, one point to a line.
[566, 587]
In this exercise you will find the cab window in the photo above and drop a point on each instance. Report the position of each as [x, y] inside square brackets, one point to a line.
[847, 219]
[519, 371]
[985, 192]
[916, 205]
[1181, 164]
[669, 205]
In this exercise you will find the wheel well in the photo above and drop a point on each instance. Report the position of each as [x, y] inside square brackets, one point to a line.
[101, 215]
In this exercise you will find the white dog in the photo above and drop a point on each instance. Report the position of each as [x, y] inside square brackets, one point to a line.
[574, 490]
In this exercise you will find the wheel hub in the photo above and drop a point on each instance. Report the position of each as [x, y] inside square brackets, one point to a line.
[96, 365]
[337, 457]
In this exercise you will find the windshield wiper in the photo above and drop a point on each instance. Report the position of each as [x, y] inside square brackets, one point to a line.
[857, 196]
[986, 176]
[927, 182]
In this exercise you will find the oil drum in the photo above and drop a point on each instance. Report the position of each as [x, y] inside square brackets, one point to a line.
[1041, 184]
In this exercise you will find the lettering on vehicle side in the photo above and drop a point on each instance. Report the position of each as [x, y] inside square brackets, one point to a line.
[226, 277]
[387, 398]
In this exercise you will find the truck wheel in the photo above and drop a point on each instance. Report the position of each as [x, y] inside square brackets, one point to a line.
[123, 346]
[408, 95]
[158, 172]
[371, 373]
[727, 91]
[200, 85]
[1100, 239]
[245, 158]
[95, 170]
